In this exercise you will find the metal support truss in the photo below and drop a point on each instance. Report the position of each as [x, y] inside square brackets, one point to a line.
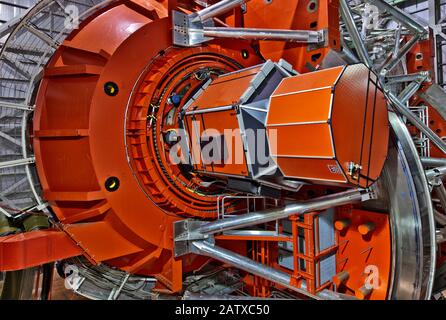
[196, 237]
[198, 27]
[398, 97]
[280, 277]
[437, 23]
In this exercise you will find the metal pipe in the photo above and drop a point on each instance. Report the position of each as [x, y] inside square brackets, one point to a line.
[217, 9]
[347, 16]
[263, 34]
[404, 50]
[396, 49]
[15, 163]
[436, 173]
[203, 111]
[433, 162]
[17, 106]
[254, 218]
[242, 262]
[246, 264]
[409, 91]
[420, 76]
[415, 120]
[253, 267]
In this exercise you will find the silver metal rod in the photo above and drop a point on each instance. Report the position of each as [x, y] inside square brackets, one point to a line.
[436, 173]
[409, 91]
[15, 163]
[217, 9]
[16, 106]
[246, 264]
[254, 218]
[420, 76]
[349, 21]
[253, 267]
[404, 50]
[203, 111]
[416, 121]
[396, 49]
[42, 35]
[263, 34]
[433, 162]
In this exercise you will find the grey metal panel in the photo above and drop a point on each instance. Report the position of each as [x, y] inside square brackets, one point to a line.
[326, 231]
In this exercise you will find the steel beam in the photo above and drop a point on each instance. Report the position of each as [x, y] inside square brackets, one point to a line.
[30, 249]
[17, 106]
[241, 262]
[358, 43]
[436, 173]
[433, 162]
[420, 76]
[304, 36]
[217, 9]
[416, 121]
[409, 91]
[255, 218]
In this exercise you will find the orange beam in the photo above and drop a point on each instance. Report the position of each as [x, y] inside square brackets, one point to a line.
[31, 249]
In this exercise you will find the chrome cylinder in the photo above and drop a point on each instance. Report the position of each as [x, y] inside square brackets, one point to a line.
[402, 53]
[420, 76]
[415, 120]
[231, 258]
[217, 9]
[409, 91]
[264, 34]
[254, 218]
[433, 162]
[239, 261]
[436, 173]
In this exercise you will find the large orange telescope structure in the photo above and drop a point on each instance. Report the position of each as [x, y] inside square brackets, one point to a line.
[261, 146]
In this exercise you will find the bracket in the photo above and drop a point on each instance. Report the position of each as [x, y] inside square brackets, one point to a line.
[184, 232]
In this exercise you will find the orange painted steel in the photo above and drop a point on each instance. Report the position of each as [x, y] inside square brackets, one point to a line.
[361, 255]
[84, 136]
[220, 94]
[310, 255]
[35, 248]
[262, 253]
[225, 91]
[163, 182]
[296, 15]
[104, 108]
[340, 116]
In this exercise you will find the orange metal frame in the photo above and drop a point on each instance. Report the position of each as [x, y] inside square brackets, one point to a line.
[83, 136]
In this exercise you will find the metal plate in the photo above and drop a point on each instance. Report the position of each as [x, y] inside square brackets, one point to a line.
[403, 188]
